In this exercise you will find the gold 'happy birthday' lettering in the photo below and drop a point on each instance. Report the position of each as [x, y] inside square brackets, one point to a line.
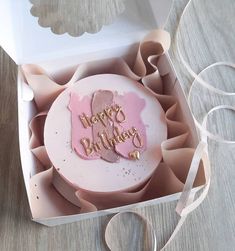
[109, 143]
[113, 113]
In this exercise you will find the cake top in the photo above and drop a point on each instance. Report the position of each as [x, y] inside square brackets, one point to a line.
[107, 127]
[103, 134]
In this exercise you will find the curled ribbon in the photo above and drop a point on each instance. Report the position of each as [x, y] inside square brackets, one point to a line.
[186, 203]
[202, 126]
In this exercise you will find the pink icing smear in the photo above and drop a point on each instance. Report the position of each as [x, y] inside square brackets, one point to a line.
[77, 107]
[119, 122]
[132, 106]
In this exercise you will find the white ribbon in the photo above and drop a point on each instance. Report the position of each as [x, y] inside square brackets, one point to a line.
[186, 203]
[202, 126]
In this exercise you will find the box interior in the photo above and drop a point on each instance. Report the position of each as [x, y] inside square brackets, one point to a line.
[56, 68]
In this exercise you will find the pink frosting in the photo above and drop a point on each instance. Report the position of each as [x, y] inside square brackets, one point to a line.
[77, 107]
[131, 106]
[101, 99]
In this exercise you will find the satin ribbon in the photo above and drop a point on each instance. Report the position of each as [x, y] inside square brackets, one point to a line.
[202, 126]
[205, 84]
[186, 203]
[146, 223]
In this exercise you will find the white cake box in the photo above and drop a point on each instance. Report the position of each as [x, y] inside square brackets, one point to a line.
[27, 42]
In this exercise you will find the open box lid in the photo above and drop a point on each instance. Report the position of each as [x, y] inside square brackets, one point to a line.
[26, 41]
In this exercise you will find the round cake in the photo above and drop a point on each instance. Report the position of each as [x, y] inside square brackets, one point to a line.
[103, 134]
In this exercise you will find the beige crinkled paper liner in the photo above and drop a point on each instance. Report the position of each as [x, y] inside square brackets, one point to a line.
[77, 18]
[171, 173]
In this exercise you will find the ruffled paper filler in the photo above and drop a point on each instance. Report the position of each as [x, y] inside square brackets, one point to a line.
[170, 175]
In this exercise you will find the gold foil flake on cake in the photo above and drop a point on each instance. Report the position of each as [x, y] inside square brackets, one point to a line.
[134, 155]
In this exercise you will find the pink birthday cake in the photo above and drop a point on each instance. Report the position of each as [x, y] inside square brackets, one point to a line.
[104, 134]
